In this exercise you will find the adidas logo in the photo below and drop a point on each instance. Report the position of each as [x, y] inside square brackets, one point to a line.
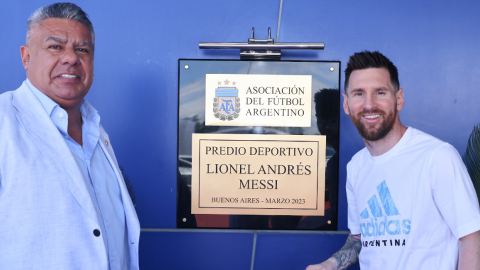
[382, 215]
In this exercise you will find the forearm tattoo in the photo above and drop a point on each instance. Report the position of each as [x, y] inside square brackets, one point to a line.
[348, 254]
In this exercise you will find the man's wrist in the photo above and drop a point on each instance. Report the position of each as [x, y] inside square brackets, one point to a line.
[333, 262]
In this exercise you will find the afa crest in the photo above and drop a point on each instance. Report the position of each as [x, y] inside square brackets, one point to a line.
[226, 103]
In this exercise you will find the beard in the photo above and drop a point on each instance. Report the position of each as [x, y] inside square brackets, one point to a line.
[368, 131]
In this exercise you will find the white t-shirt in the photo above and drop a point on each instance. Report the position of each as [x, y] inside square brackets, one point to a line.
[411, 204]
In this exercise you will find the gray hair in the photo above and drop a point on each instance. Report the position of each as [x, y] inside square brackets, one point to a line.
[61, 11]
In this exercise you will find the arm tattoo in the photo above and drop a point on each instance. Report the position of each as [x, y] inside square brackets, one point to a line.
[348, 254]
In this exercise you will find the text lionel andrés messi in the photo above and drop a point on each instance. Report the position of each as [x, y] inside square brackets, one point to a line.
[298, 169]
[277, 169]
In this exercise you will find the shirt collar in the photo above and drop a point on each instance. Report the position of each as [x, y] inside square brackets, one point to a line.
[47, 103]
[89, 113]
[86, 109]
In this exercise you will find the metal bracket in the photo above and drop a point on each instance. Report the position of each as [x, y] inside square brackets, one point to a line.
[261, 54]
[261, 49]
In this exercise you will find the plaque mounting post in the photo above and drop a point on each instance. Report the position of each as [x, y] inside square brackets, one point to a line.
[261, 49]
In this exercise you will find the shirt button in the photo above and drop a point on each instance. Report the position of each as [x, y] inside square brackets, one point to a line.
[60, 114]
[96, 232]
[132, 243]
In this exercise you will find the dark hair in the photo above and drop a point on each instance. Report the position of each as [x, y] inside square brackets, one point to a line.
[367, 59]
[327, 104]
[61, 11]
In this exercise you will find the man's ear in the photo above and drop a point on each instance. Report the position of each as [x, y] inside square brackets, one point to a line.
[400, 99]
[345, 104]
[25, 54]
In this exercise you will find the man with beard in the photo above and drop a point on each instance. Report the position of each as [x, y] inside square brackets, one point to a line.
[411, 203]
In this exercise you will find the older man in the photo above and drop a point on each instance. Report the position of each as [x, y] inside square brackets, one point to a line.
[411, 203]
[63, 201]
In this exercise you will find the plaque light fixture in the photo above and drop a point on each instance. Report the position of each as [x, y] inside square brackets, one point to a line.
[261, 49]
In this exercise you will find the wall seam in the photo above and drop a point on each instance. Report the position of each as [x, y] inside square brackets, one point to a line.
[252, 263]
[241, 231]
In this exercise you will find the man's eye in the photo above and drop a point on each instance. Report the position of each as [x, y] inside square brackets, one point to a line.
[55, 47]
[358, 94]
[82, 50]
[381, 93]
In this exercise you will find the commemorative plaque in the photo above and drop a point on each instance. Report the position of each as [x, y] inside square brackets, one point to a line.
[258, 174]
[258, 144]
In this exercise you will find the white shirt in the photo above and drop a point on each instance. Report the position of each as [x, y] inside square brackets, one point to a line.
[411, 204]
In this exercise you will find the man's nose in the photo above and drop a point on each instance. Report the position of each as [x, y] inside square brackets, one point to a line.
[70, 57]
[369, 102]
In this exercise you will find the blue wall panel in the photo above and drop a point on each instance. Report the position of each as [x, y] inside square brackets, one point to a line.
[195, 250]
[295, 251]
[433, 43]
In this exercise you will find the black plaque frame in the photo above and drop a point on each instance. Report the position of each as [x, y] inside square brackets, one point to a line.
[191, 113]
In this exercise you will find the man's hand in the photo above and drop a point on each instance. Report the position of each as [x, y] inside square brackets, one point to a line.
[344, 258]
[330, 264]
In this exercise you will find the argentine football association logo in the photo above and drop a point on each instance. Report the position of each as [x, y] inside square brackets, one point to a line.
[226, 103]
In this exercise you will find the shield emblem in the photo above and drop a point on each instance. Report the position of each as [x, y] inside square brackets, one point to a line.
[226, 104]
